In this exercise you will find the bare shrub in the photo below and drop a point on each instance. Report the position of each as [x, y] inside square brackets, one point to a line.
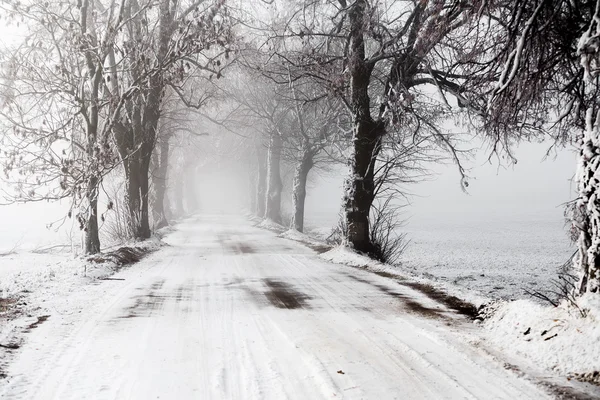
[388, 242]
[116, 226]
[338, 233]
[564, 288]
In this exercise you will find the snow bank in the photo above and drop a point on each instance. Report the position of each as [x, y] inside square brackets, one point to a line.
[321, 233]
[271, 225]
[26, 272]
[297, 236]
[556, 338]
[32, 282]
[347, 256]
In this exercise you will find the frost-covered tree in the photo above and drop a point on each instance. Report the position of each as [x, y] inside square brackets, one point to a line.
[56, 119]
[259, 110]
[394, 64]
[165, 43]
[546, 82]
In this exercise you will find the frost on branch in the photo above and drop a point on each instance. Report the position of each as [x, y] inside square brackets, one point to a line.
[587, 261]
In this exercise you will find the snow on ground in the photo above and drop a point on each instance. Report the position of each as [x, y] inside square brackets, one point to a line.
[555, 338]
[38, 284]
[272, 226]
[346, 256]
[501, 259]
[494, 258]
[558, 338]
[228, 310]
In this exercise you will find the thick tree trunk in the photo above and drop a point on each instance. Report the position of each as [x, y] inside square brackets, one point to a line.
[136, 140]
[299, 191]
[587, 211]
[144, 231]
[159, 180]
[261, 183]
[588, 208]
[136, 197]
[91, 240]
[274, 184]
[360, 185]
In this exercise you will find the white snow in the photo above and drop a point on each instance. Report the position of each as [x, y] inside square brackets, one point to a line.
[45, 283]
[228, 310]
[271, 225]
[347, 256]
[558, 338]
[297, 236]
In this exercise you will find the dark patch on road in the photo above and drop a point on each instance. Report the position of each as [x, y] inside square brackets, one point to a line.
[235, 247]
[40, 320]
[158, 284]
[408, 303]
[319, 248]
[154, 297]
[146, 304]
[236, 281]
[361, 280]
[244, 248]
[388, 275]
[283, 295]
[411, 304]
[452, 302]
[561, 392]
[184, 293]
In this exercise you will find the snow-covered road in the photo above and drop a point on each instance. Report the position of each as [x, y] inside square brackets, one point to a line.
[229, 311]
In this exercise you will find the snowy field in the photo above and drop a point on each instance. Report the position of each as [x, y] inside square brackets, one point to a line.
[505, 236]
[500, 259]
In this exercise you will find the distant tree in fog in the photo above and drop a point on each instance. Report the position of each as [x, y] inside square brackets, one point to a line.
[318, 123]
[261, 110]
[163, 47]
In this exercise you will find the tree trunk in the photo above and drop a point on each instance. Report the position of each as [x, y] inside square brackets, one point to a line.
[136, 193]
[274, 184]
[588, 207]
[144, 231]
[360, 185]
[299, 190]
[261, 183]
[159, 180]
[91, 239]
[136, 140]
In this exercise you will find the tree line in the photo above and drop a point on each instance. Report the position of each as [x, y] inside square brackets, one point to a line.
[96, 86]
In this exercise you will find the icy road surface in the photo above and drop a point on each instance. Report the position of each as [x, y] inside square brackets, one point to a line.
[229, 311]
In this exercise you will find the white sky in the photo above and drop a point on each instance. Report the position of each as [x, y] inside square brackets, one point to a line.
[532, 189]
